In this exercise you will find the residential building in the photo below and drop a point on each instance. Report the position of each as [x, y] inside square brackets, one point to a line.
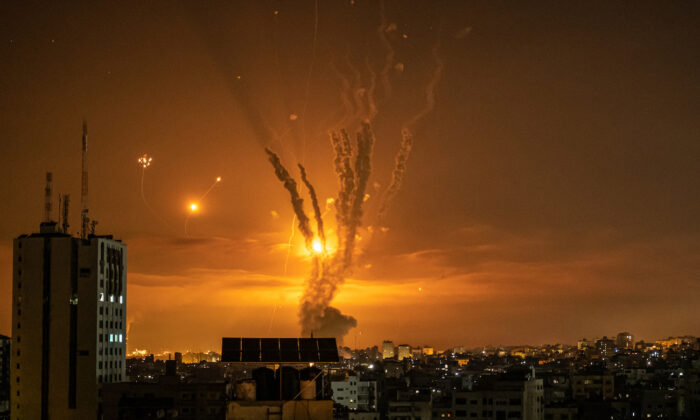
[68, 323]
[387, 349]
[355, 394]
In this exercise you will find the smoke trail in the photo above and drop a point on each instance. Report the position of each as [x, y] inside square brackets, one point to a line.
[357, 91]
[371, 102]
[398, 174]
[365, 141]
[289, 245]
[346, 181]
[314, 202]
[389, 60]
[429, 89]
[297, 201]
[345, 93]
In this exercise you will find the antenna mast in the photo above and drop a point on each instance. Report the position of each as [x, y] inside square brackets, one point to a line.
[66, 204]
[48, 191]
[84, 219]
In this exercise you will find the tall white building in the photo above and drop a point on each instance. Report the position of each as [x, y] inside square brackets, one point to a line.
[68, 323]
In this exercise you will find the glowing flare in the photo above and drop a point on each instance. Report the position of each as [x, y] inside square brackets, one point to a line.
[218, 179]
[145, 161]
[194, 207]
[317, 246]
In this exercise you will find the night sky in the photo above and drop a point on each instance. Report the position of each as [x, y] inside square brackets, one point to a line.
[552, 194]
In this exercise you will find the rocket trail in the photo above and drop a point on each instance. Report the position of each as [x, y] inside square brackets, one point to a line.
[397, 175]
[365, 142]
[145, 161]
[345, 93]
[314, 203]
[297, 202]
[429, 88]
[390, 53]
[371, 102]
[399, 172]
[346, 179]
[289, 244]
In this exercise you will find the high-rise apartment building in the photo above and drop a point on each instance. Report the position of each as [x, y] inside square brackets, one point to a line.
[387, 349]
[68, 323]
[624, 340]
[404, 352]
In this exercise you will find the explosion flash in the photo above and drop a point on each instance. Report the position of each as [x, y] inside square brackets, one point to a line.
[145, 161]
[194, 207]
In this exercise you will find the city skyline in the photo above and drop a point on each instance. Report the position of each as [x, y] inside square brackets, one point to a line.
[551, 194]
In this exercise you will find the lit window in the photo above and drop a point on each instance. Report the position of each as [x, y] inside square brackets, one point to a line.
[111, 298]
[111, 338]
[121, 338]
[102, 297]
[121, 299]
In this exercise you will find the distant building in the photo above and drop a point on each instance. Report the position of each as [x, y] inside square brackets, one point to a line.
[404, 351]
[4, 375]
[355, 394]
[411, 405]
[387, 349]
[585, 344]
[393, 369]
[428, 351]
[605, 347]
[594, 383]
[68, 323]
[513, 395]
[624, 341]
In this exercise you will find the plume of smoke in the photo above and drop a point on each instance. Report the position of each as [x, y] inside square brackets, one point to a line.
[328, 272]
[297, 201]
[328, 322]
[398, 174]
[314, 202]
[365, 142]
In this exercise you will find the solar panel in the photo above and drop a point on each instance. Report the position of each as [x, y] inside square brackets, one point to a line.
[279, 350]
[230, 349]
[270, 349]
[250, 350]
[308, 349]
[289, 349]
[328, 350]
